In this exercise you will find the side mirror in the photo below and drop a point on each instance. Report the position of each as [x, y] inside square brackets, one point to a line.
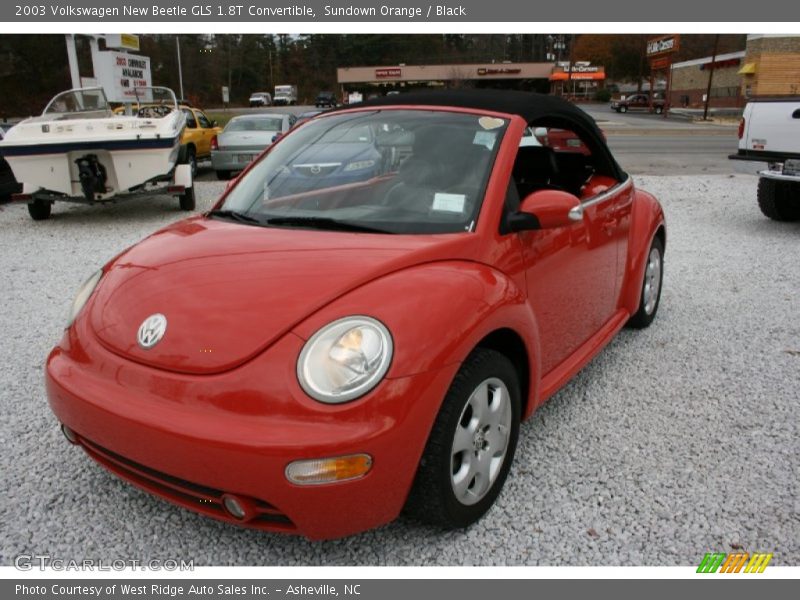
[214, 124]
[277, 136]
[546, 209]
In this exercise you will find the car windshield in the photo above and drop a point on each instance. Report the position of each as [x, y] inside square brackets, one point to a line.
[262, 124]
[392, 171]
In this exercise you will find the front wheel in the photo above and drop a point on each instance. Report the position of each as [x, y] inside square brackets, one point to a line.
[623, 109]
[471, 445]
[39, 210]
[223, 175]
[650, 295]
[659, 109]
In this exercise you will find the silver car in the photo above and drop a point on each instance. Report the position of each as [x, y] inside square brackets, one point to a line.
[244, 138]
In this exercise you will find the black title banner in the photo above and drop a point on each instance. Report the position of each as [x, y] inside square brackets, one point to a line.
[474, 11]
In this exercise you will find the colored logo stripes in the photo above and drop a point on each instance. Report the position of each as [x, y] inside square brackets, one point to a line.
[733, 563]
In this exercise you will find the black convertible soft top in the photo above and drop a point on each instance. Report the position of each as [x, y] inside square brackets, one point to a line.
[536, 109]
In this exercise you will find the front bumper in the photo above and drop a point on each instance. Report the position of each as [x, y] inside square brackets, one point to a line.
[193, 439]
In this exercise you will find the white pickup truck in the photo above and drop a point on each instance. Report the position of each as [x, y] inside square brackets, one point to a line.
[770, 132]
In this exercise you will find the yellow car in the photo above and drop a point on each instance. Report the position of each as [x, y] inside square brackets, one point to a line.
[197, 135]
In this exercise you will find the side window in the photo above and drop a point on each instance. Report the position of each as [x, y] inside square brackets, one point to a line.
[552, 159]
[203, 120]
[191, 123]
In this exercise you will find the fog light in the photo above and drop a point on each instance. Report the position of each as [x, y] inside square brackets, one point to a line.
[235, 508]
[327, 470]
[71, 436]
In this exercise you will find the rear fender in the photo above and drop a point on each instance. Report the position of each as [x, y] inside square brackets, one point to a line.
[646, 218]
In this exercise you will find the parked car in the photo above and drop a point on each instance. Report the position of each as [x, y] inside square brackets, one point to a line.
[325, 100]
[770, 132]
[315, 362]
[244, 138]
[8, 184]
[260, 99]
[639, 102]
[197, 135]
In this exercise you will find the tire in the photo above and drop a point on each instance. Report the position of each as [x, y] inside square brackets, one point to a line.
[191, 160]
[187, 199]
[779, 200]
[223, 175]
[649, 298]
[659, 110]
[40, 210]
[449, 499]
[623, 109]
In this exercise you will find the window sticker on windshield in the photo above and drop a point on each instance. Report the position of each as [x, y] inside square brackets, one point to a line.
[484, 138]
[449, 202]
[490, 122]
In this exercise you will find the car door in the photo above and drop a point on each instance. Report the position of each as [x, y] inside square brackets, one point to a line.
[571, 271]
[207, 132]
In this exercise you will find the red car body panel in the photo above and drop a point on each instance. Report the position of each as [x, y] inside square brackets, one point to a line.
[216, 408]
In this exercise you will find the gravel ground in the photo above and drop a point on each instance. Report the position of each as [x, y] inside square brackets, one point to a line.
[675, 441]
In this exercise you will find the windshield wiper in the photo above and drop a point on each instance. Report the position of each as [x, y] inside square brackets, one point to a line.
[234, 215]
[324, 223]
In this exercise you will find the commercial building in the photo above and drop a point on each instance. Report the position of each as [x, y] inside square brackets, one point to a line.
[379, 80]
[689, 84]
[771, 66]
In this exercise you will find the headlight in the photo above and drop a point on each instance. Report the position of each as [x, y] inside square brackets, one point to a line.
[359, 164]
[345, 359]
[83, 295]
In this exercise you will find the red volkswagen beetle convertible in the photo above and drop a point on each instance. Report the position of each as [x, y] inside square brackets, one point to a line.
[363, 319]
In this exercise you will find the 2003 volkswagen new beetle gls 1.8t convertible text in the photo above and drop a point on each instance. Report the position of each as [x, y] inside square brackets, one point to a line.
[363, 319]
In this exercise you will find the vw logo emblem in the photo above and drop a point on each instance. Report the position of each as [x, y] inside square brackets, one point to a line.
[151, 330]
[316, 169]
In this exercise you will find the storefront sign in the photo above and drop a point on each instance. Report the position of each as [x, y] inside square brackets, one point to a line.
[498, 71]
[663, 45]
[389, 73]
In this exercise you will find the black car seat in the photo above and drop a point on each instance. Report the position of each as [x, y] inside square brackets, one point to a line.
[535, 168]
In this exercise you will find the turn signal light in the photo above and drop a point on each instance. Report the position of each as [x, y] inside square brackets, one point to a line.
[328, 470]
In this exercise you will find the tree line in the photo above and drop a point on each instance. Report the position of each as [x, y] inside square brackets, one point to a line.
[33, 68]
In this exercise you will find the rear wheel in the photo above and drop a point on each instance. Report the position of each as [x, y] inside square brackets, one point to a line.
[779, 200]
[623, 109]
[650, 295]
[471, 445]
[659, 109]
[40, 210]
[187, 199]
[223, 175]
[191, 160]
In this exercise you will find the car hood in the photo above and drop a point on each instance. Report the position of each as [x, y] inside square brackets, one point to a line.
[228, 290]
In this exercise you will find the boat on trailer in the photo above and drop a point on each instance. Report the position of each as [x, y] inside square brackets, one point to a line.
[80, 150]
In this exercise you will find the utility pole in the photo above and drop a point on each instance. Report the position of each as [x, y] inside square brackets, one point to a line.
[180, 69]
[710, 76]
